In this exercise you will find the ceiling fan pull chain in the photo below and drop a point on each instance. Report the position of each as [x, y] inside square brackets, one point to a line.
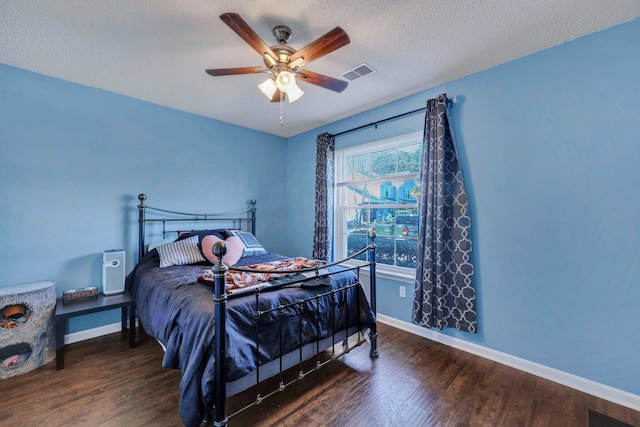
[281, 108]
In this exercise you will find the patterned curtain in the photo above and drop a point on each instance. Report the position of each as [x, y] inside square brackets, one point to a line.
[444, 292]
[325, 163]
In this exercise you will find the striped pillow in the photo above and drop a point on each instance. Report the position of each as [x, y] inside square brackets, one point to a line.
[181, 252]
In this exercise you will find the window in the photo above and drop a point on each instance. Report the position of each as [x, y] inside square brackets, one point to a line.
[378, 186]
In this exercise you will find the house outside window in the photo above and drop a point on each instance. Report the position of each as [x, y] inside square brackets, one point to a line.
[378, 186]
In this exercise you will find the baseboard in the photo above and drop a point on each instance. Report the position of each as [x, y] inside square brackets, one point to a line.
[87, 334]
[593, 388]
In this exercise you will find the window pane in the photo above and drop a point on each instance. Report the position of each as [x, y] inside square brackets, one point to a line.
[407, 252]
[384, 163]
[409, 158]
[405, 191]
[356, 195]
[410, 191]
[358, 167]
[358, 221]
[396, 234]
[385, 250]
[401, 252]
[356, 242]
[407, 223]
[395, 221]
[386, 192]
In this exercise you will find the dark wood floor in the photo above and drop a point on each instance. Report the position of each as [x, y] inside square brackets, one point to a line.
[415, 382]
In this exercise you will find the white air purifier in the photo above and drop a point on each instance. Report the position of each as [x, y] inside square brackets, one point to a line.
[113, 272]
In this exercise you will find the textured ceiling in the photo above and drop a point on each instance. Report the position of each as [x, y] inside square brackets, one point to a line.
[157, 50]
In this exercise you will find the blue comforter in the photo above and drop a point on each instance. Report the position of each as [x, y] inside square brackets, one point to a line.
[179, 312]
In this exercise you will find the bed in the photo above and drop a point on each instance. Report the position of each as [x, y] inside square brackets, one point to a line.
[230, 328]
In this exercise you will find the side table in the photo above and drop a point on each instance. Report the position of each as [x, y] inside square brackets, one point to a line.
[65, 310]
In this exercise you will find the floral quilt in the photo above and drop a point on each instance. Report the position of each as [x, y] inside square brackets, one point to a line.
[240, 282]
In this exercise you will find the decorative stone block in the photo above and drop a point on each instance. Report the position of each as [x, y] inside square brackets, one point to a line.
[27, 319]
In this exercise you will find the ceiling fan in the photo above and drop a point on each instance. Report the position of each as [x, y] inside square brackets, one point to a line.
[284, 62]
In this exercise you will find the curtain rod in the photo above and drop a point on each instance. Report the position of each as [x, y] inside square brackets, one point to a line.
[380, 121]
[408, 113]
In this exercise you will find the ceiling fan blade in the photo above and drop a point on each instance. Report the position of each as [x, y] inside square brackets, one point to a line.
[331, 41]
[322, 80]
[234, 71]
[241, 28]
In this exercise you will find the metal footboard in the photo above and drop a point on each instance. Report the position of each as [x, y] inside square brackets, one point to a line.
[218, 415]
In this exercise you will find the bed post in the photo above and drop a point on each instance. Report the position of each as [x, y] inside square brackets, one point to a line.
[220, 299]
[253, 216]
[141, 208]
[372, 284]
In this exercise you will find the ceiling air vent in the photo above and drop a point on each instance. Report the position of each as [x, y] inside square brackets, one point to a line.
[357, 72]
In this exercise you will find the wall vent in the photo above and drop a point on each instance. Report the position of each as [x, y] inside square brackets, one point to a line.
[357, 72]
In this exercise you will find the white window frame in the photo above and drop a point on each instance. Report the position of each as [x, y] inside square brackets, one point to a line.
[403, 274]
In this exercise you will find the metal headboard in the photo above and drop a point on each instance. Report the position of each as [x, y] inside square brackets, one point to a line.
[236, 218]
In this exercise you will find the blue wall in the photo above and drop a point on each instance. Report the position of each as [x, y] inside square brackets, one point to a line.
[550, 147]
[73, 160]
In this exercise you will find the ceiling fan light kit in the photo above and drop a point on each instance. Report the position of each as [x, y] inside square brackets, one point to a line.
[283, 62]
[268, 87]
[285, 80]
[294, 93]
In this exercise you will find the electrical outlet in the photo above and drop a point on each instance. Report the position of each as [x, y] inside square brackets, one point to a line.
[403, 291]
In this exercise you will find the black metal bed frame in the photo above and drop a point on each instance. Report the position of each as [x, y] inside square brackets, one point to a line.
[218, 416]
